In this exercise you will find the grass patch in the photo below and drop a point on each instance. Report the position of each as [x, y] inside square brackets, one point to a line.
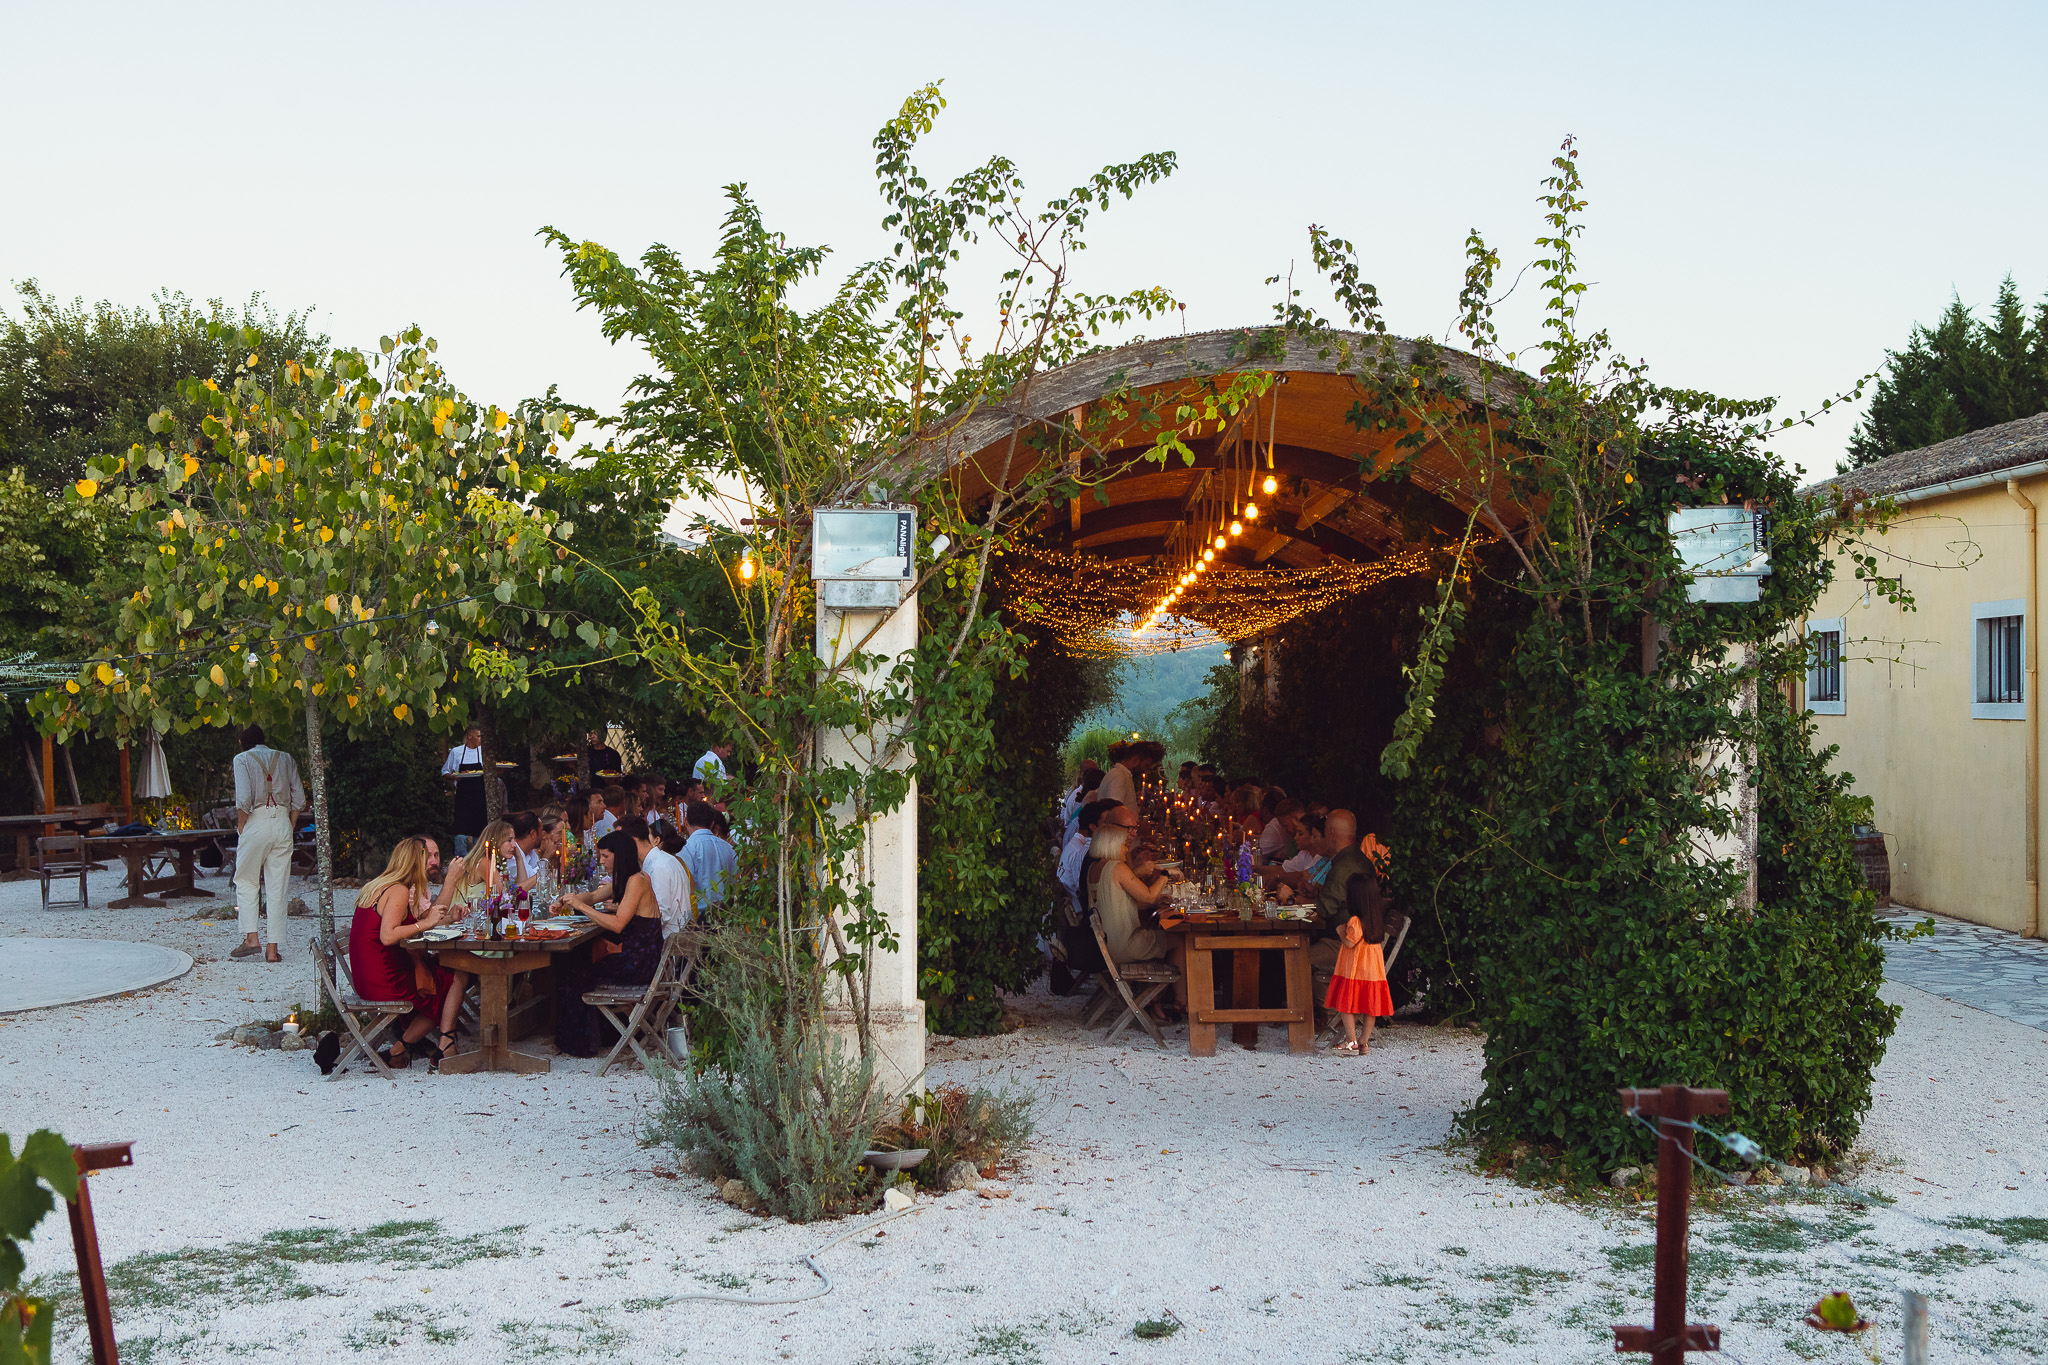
[1006, 1345]
[1156, 1329]
[532, 1339]
[392, 1328]
[266, 1270]
[2011, 1231]
[1947, 1260]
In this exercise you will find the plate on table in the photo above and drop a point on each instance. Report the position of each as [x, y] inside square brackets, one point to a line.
[564, 921]
[441, 935]
[563, 758]
[1170, 865]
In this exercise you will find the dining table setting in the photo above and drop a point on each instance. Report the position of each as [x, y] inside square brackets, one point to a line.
[502, 936]
[1241, 920]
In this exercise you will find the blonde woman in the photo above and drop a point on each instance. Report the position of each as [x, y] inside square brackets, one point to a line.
[384, 970]
[1120, 896]
[466, 874]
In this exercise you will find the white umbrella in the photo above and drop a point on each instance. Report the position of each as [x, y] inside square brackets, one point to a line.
[156, 774]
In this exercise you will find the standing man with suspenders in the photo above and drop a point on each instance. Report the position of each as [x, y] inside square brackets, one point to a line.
[267, 794]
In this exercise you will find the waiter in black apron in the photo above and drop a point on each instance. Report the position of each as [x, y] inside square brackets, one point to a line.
[465, 767]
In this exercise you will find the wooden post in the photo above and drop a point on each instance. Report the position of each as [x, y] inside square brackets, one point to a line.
[1669, 1337]
[127, 786]
[49, 775]
[85, 1243]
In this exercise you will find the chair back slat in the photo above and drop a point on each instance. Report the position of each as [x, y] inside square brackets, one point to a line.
[1102, 942]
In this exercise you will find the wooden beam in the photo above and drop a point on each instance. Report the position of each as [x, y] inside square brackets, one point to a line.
[1320, 506]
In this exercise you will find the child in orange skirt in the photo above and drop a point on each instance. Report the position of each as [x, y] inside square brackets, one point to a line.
[1359, 983]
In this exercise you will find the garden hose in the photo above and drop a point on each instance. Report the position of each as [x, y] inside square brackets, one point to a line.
[810, 1259]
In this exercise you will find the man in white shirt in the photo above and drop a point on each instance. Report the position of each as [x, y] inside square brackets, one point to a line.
[711, 767]
[468, 753]
[673, 891]
[524, 850]
[267, 794]
[708, 859]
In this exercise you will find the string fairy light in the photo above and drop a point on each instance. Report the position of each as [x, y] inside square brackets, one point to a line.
[1136, 606]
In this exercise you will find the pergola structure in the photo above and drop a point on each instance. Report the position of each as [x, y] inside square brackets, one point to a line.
[1286, 507]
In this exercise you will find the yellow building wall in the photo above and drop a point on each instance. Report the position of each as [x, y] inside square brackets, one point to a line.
[1949, 790]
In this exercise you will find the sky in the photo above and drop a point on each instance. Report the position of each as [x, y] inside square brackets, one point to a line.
[1777, 192]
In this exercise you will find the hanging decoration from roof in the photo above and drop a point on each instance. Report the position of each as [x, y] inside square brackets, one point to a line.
[1105, 606]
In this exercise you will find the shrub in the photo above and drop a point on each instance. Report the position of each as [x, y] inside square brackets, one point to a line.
[789, 1113]
[957, 1123]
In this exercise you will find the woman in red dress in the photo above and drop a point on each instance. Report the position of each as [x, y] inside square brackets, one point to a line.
[382, 968]
[1359, 983]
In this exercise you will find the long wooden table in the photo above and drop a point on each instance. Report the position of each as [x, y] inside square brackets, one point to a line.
[137, 849]
[1208, 935]
[495, 962]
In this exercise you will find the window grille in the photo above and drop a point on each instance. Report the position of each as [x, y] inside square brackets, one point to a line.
[1824, 678]
[1999, 675]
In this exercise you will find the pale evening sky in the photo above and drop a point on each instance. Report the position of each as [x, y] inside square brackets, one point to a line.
[1778, 191]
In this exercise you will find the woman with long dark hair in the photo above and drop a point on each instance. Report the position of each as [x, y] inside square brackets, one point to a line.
[625, 907]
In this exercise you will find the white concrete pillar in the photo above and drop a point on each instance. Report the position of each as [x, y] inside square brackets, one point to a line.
[895, 1014]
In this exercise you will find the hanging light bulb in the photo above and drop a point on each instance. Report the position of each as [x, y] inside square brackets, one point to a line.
[1237, 528]
[746, 568]
[433, 626]
[1208, 555]
[1221, 542]
[1272, 485]
[1251, 511]
[250, 658]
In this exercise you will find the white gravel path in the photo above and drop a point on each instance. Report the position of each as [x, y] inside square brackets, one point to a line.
[1287, 1209]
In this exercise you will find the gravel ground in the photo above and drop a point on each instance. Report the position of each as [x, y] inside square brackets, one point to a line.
[1291, 1209]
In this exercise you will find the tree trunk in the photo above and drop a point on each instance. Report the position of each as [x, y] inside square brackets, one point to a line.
[71, 776]
[323, 847]
[494, 801]
[35, 771]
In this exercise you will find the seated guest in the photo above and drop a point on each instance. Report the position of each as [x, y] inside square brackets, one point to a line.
[1120, 897]
[606, 806]
[665, 872]
[1278, 838]
[1073, 817]
[1085, 781]
[554, 828]
[1333, 899]
[631, 917]
[706, 856]
[466, 875]
[381, 967]
[1186, 785]
[1076, 850]
[1300, 877]
[586, 808]
[522, 850]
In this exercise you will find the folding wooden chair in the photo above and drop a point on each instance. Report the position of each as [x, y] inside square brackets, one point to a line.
[355, 1012]
[62, 857]
[1155, 976]
[653, 1003]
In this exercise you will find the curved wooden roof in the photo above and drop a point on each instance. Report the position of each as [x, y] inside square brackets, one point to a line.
[1332, 501]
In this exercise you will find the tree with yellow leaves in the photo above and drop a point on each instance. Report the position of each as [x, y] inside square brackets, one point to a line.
[331, 535]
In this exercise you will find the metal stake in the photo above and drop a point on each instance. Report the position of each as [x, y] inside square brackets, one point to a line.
[1916, 1326]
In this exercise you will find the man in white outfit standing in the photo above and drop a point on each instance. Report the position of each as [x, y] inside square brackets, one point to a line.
[267, 795]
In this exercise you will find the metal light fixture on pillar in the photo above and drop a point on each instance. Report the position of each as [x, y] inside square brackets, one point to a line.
[863, 562]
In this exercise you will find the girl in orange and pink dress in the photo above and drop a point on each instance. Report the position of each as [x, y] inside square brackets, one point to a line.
[1359, 983]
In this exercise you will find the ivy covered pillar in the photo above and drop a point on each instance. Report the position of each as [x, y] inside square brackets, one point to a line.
[867, 606]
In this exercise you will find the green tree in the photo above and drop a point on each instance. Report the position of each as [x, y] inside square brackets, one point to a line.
[79, 382]
[307, 533]
[1958, 376]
